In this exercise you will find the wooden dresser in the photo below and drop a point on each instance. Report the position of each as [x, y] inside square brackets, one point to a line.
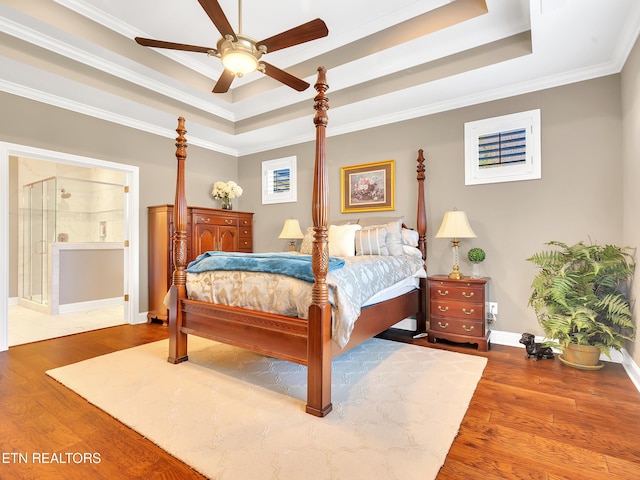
[457, 310]
[207, 229]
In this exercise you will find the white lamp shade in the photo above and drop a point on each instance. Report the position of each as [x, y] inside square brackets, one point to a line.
[291, 229]
[455, 224]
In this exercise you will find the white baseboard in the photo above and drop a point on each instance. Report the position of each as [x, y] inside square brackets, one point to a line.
[142, 318]
[12, 301]
[632, 370]
[82, 306]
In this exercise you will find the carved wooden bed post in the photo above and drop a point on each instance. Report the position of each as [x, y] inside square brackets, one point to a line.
[178, 291]
[421, 316]
[319, 333]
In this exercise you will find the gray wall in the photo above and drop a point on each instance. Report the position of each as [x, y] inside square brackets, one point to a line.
[87, 275]
[578, 198]
[631, 178]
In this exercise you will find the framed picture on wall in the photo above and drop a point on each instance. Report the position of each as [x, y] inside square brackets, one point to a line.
[503, 149]
[368, 187]
[279, 181]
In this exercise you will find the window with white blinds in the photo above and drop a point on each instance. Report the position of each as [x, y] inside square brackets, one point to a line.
[503, 149]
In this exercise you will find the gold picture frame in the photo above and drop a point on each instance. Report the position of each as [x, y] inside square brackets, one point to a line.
[369, 187]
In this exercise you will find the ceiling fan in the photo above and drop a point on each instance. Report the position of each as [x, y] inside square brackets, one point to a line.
[241, 54]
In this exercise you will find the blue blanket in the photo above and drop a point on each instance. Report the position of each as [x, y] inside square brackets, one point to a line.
[297, 266]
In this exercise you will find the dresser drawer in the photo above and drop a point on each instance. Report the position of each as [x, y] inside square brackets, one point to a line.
[245, 244]
[456, 309]
[469, 327]
[456, 292]
[215, 220]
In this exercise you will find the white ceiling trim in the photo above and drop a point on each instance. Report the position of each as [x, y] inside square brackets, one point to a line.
[130, 32]
[104, 61]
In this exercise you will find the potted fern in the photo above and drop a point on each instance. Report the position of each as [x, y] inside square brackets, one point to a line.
[580, 296]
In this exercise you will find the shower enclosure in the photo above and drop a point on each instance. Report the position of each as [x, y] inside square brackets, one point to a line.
[70, 222]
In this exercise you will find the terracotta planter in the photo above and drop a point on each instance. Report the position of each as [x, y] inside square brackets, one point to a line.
[582, 356]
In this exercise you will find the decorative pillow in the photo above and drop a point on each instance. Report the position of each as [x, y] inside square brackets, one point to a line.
[306, 247]
[410, 237]
[342, 240]
[394, 232]
[372, 241]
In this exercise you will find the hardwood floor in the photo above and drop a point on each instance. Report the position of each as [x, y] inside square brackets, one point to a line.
[543, 420]
[527, 420]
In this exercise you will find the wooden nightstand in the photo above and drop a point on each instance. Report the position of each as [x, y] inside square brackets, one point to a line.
[457, 310]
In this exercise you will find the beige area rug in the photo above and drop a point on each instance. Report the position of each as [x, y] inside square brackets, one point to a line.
[234, 415]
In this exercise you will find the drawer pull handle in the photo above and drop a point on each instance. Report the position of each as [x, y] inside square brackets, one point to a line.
[470, 312]
[206, 220]
[468, 329]
[468, 295]
[228, 222]
[443, 326]
[440, 292]
[442, 309]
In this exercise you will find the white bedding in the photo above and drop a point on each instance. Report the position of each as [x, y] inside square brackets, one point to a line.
[350, 288]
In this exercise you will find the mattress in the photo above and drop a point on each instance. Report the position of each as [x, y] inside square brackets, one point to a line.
[364, 280]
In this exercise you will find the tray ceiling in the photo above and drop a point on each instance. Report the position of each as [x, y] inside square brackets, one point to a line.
[386, 61]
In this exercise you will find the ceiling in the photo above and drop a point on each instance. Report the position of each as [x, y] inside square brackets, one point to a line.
[387, 61]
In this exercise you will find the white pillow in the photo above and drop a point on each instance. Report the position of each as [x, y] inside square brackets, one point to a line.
[408, 250]
[410, 237]
[394, 237]
[342, 240]
[372, 241]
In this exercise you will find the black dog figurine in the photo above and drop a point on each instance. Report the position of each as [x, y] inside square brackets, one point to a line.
[535, 350]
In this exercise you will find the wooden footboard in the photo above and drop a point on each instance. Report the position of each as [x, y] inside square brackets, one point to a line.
[306, 342]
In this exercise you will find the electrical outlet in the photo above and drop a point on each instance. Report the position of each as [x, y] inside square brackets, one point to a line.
[492, 308]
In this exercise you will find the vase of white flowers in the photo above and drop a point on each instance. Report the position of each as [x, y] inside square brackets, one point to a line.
[225, 191]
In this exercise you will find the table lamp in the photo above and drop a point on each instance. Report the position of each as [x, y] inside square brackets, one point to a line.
[292, 231]
[455, 225]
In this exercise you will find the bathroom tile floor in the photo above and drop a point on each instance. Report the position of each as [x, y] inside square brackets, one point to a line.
[26, 326]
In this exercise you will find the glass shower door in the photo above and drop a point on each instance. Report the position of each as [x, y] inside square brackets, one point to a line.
[38, 226]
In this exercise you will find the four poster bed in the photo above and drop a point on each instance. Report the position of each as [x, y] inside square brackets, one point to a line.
[306, 341]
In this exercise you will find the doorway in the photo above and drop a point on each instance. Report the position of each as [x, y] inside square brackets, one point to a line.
[130, 256]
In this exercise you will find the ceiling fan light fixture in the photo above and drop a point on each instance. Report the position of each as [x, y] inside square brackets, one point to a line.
[239, 62]
[241, 56]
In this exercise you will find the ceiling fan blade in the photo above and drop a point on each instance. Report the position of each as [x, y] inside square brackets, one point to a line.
[217, 16]
[224, 82]
[284, 77]
[302, 33]
[148, 42]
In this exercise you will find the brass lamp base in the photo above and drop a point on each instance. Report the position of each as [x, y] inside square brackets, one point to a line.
[456, 274]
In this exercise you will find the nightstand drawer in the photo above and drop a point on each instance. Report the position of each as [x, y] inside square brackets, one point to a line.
[452, 292]
[473, 328]
[457, 309]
